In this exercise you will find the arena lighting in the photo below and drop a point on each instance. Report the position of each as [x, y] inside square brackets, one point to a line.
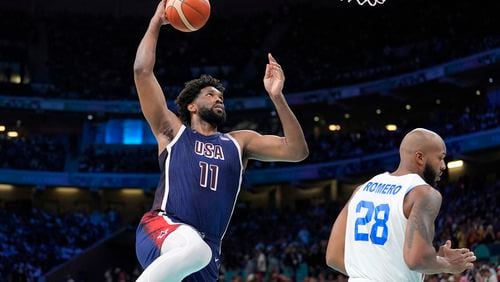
[132, 191]
[15, 78]
[378, 111]
[478, 92]
[67, 190]
[334, 127]
[391, 127]
[2, 128]
[455, 164]
[408, 107]
[12, 134]
[347, 115]
[6, 187]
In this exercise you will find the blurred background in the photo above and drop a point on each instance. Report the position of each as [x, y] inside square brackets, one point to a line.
[78, 163]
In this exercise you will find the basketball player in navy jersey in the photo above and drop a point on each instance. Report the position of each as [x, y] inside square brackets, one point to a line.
[201, 168]
[385, 231]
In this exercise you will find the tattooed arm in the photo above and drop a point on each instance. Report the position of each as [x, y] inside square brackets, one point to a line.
[422, 206]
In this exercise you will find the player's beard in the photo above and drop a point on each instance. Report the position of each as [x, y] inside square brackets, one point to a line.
[211, 116]
[430, 175]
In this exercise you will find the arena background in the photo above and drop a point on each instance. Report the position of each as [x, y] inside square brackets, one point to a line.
[78, 163]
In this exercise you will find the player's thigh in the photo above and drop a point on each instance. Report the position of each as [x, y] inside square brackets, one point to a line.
[190, 240]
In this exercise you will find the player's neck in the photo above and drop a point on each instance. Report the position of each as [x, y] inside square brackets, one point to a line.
[404, 169]
[203, 127]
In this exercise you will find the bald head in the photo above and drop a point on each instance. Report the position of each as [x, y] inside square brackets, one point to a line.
[422, 152]
[420, 139]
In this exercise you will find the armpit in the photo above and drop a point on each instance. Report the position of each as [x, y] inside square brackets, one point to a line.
[168, 131]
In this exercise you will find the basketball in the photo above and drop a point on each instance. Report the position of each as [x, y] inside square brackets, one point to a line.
[187, 15]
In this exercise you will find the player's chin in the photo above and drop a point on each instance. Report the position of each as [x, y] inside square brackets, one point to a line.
[436, 181]
[438, 177]
[220, 111]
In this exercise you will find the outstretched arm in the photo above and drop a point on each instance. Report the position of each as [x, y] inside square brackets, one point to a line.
[419, 253]
[163, 122]
[291, 147]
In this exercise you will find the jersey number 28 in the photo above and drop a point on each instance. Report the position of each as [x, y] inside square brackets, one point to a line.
[379, 214]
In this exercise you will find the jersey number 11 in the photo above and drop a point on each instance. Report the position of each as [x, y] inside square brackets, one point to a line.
[209, 175]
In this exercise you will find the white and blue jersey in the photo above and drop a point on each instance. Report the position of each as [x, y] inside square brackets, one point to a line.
[375, 230]
[200, 181]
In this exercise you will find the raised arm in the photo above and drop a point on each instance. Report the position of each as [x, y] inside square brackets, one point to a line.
[419, 253]
[291, 147]
[162, 121]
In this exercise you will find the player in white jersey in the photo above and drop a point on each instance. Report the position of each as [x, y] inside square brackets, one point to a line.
[385, 231]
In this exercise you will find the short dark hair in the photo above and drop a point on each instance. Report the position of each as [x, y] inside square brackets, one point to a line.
[191, 90]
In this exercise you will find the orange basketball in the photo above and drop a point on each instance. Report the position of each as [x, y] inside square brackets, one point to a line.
[187, 15]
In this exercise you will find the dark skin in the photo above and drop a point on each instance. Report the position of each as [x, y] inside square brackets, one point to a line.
[292, 147]
[421, 152]
[206, 111]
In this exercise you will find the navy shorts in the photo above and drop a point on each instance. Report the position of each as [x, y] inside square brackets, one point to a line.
[150, 234]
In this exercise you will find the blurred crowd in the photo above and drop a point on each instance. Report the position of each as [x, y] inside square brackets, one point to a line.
[33, 241]
[286, 244]
[91, 56]
[36, 152]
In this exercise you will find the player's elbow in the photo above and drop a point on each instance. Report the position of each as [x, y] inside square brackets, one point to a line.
[330, 261]
[140, 69]
[335, 263]
[302, 154]
[305, 152]
[416, 262]
[299, 154]
[413, 264]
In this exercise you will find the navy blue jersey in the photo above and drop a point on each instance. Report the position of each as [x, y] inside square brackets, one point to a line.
[200, 180]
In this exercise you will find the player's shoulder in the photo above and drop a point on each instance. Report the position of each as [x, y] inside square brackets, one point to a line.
[425, 193]
[426, 189]
[243, 132]
[243, 136]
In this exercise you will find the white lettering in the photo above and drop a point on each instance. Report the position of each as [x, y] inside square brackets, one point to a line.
[209, 150]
